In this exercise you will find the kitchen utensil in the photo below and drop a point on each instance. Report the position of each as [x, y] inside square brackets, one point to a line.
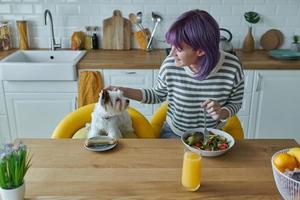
[116, 32]
[272, 39]
[206, 133]
[225, 43]
[156, 19]
[288, 187]
[206, 153]
[284, 54]
[139, 19]
[133, 19]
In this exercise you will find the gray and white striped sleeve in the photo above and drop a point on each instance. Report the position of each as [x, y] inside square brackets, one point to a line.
[235, 100]
[159, 92]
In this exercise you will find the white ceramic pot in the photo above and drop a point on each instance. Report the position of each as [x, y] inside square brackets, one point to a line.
[295, 47]
[13, 194]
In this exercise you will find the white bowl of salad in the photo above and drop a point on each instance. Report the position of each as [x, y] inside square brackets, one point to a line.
[217, 143]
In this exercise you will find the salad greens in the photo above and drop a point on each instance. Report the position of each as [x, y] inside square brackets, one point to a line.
[212, 143]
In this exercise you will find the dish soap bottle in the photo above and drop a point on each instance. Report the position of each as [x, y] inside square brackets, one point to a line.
[88, 38]
[95, 44]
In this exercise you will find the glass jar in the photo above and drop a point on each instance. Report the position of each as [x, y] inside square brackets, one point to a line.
[88, 38]
[5, 38]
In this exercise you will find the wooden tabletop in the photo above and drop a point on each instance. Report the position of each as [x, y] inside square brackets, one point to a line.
[148, 169]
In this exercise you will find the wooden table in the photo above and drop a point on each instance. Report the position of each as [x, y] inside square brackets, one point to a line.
[148, 169]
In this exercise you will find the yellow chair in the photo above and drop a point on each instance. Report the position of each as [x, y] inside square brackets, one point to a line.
[70, 125]
[76, 120]
[232, 126]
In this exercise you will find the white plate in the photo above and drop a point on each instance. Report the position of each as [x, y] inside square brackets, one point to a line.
[102, 147]
[229, 138]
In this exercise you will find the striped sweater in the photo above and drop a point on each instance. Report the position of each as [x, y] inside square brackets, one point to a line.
[184, 93]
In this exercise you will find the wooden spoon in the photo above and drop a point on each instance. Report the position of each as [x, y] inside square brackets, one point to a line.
[132, 18]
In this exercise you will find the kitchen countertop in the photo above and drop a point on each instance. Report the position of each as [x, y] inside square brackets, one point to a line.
[139, 59]
[122, 59]
[260, 59]
[3, 54]
[148, 169]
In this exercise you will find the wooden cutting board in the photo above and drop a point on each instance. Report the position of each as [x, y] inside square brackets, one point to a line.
[116, 32]
[272, 39]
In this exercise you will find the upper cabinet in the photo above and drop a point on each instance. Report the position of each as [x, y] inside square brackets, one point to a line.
[275, 104]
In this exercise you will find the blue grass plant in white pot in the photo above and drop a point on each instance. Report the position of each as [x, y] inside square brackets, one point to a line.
[14, 163]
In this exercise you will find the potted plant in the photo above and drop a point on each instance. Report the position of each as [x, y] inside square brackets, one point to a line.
[14, 163]
[295, 46]
[252, 18]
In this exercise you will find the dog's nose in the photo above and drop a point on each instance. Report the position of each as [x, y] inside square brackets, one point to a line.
[127, 101]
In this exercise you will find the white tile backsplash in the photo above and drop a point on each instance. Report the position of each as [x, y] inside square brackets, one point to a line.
[5, 8]
[22, 9]
[74, 15]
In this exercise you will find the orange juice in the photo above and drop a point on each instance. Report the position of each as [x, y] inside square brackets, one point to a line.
[191, 171]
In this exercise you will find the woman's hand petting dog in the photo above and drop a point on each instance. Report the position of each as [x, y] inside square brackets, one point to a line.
[215, 110]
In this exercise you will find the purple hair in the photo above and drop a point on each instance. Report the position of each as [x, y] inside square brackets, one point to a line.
[199, 30]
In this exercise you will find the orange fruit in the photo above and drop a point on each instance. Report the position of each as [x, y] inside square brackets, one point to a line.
[284, 161]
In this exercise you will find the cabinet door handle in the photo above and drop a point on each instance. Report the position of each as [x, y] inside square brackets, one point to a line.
[130, 73]
[259, 82]
[76, 102]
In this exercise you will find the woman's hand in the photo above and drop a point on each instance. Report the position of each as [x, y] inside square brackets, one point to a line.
[112, 88]
[130, 93]
[215, 110]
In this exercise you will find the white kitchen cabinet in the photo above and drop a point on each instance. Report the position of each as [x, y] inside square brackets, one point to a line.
[244, 112]
[4, 126]
[134, 78]
[4, 130]
[35, 108]
[275, 104]
[2, 100]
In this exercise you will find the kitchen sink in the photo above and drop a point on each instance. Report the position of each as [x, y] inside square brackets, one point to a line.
[40, 65]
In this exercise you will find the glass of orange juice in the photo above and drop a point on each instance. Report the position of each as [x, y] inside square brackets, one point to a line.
[191, 171]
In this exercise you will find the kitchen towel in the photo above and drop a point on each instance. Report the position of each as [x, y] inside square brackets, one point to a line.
[90, 85]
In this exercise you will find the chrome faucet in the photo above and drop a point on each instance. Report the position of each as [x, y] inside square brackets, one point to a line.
[54, 46]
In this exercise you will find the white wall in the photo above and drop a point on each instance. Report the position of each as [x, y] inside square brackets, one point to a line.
[74, 15]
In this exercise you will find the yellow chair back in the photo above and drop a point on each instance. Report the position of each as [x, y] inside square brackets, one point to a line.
[77, 119]
[232, 126]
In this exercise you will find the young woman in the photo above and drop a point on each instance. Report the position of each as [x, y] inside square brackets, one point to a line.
[195, 77]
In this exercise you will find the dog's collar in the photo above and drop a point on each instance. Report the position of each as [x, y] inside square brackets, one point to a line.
[108, 117]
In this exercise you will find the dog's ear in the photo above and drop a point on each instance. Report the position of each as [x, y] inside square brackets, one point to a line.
[104, 97]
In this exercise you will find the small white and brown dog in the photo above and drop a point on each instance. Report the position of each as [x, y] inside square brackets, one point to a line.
[110, 116]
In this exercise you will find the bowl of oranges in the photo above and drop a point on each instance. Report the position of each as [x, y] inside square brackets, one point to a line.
[286, 171]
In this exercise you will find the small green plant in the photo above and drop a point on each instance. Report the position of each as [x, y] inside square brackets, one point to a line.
[14, 163]
[295, 39]
[252, 17]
